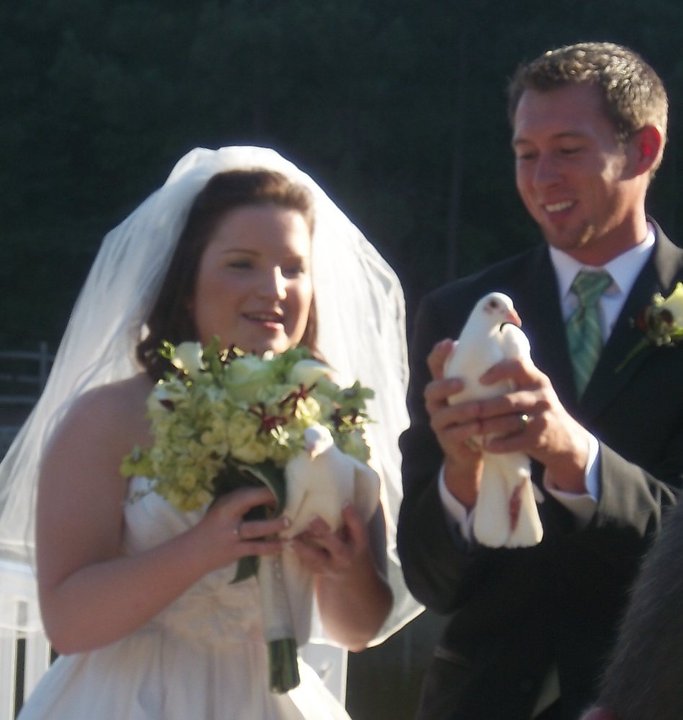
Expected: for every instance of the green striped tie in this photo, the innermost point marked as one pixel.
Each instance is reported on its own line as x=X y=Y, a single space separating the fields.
x=583 y=327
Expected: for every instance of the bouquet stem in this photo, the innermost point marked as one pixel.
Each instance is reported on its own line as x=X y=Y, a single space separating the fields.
x=284 y=668
x=278 y=626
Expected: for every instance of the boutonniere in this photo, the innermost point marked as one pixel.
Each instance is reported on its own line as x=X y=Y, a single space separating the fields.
x=661 y=323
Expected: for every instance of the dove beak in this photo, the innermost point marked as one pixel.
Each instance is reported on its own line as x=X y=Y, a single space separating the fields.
x=312 y=447
x=513 y=317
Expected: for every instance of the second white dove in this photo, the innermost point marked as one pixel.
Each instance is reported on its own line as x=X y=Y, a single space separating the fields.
x=505 y=514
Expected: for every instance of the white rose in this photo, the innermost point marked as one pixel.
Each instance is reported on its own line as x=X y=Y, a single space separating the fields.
x=188 y=357
x=308 y=372
x=674 y=304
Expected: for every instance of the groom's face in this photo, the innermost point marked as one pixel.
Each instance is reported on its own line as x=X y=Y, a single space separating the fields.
x=573 y=175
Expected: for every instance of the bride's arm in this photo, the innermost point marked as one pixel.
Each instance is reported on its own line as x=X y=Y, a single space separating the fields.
x=90 y=593
x=353 y=595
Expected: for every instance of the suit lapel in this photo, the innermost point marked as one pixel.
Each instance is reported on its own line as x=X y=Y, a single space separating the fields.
x=541 y=313
x=613 y=371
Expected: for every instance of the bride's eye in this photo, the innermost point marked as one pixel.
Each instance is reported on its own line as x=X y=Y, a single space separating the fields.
x=294 y=269
x=241 y=264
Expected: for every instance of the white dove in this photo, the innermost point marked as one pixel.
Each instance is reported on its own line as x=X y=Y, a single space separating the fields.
x=321 y=479
x=505 y=514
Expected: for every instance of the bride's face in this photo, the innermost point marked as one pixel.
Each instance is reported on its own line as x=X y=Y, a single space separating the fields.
x=253 y=285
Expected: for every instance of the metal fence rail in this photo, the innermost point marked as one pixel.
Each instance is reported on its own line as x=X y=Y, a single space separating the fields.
x=23 y=374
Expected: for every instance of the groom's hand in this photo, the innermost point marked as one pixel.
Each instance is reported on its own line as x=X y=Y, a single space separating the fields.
x=454 y=429
x=550 y=434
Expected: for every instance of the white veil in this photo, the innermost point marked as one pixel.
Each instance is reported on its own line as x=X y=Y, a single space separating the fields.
x=361 y=332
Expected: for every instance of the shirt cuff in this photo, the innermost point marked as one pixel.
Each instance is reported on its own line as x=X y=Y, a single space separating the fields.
x=456 y=512
x=583 y=506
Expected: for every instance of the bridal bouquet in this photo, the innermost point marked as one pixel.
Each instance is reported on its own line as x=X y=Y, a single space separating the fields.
x=224 y=419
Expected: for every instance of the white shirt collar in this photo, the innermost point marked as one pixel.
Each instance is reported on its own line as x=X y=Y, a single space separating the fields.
x=624 y=268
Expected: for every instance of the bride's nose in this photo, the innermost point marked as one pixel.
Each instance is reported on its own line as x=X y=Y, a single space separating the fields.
x=273 y=284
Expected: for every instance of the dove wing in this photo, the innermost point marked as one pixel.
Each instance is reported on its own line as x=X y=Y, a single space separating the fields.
x=471 y=357
x=514 y=343
x=366 y=489
x=506 y=514
x=298 y=475
x=319 y=486
x=529 y=530
x=491 y=524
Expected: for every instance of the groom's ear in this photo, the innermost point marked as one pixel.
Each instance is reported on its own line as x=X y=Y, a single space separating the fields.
x=648 y=144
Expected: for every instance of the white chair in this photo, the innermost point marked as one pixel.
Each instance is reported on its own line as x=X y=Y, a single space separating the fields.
x=23 y=660
x=331 y=665
x=24 y=656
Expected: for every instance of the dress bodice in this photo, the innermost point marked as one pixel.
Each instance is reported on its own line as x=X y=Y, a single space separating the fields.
x=214 y=608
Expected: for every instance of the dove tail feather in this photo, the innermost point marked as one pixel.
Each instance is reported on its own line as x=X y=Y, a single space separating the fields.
x=505 y=514
x=491 y=524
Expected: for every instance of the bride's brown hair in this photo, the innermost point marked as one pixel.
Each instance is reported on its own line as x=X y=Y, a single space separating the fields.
x=171 y=317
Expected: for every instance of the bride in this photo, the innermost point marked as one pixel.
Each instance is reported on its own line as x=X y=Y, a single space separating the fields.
x=137 y=596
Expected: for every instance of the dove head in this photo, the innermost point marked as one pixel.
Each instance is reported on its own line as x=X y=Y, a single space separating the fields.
x=498 y=309
x=317 y=439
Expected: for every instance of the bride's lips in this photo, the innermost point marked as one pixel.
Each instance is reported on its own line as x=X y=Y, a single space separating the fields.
x=265 y=318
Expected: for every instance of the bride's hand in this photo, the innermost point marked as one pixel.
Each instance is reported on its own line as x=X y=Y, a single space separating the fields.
x=326 y=552
x=224 y=535
x=353 y=596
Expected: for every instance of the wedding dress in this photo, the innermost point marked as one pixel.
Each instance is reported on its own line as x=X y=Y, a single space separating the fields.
x=202 y=657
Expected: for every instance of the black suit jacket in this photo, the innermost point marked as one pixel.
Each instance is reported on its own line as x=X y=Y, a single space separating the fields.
x=513 y=613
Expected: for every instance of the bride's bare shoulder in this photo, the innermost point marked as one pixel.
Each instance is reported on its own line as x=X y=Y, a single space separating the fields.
x=127 y=395
x=117 y=409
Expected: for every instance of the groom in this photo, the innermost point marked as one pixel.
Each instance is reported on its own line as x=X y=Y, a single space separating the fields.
x=529 y=629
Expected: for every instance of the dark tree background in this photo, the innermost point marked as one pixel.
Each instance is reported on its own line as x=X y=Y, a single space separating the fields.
x=397 y=108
